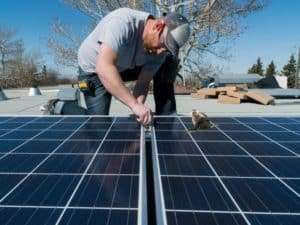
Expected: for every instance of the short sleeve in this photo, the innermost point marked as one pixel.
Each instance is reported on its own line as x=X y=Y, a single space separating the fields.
x=116 y=33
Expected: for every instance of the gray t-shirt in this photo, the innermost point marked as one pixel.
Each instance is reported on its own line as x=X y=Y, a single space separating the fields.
x=121 y=30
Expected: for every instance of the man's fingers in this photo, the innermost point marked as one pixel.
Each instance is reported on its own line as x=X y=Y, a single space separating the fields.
x=149 y=117
x=145 y=119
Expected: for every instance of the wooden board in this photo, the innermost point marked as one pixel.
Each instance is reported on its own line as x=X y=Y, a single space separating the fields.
x=224 y=99
x=208 y=91
x=261 y=98
x=238 y=94
x=225 y=89
x=199 y=96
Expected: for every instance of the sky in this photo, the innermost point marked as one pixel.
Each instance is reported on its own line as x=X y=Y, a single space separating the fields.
x=272 y=34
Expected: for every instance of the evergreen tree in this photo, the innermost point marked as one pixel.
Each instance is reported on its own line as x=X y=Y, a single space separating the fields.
x=271 y=70
x=257 y=68
x=289 y=70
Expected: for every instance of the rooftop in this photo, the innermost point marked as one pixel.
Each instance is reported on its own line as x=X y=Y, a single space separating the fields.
x=19 y=103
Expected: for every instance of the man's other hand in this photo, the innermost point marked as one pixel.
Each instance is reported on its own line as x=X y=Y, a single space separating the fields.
x=143 y=113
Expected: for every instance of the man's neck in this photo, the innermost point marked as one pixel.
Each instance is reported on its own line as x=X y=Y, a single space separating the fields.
x=148 y=26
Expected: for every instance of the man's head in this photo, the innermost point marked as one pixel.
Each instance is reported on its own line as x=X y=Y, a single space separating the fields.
x=166 y=34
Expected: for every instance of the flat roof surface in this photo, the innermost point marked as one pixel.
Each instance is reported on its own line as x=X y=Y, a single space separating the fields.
x=19 y=103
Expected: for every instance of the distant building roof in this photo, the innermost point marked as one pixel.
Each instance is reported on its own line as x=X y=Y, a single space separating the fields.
x=234 y=78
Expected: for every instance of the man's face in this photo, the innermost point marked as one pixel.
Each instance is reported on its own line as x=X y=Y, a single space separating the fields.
x=154 y=39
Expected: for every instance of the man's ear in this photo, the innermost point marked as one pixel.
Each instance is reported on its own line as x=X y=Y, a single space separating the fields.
x=159 y=26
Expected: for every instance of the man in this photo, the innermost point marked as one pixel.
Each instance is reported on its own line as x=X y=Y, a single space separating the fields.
x=132 y=45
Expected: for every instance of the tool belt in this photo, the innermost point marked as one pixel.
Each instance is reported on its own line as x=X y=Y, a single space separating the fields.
x=86 y=86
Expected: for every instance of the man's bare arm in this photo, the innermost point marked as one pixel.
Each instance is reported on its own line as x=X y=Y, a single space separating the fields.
x=111 y=79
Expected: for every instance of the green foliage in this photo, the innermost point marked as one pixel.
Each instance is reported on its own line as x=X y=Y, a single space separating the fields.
x=289 y=70
x=271 y=70
x=257 y=68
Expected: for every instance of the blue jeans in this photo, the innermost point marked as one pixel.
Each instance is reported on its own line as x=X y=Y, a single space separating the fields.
x=98 y=102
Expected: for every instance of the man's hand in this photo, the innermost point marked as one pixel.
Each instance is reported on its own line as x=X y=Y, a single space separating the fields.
x=143 y=113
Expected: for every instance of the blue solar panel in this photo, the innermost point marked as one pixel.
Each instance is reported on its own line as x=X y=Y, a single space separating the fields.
x=70 y=170
x=243 y=171
x=92 y=170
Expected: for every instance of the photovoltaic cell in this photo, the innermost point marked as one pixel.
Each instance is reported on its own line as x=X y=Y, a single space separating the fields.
x=277 y=120
x=35 y=126
x=28 y=216
x=238 y=166
x=20 y=163
x=2 y=132
x=17 y=134
x=295 y=184
x=114 y=217
x=38 y=147
x=283 y=167
x=126 y=126
x=209 y=136
x=220 y=148
x=246 y=136
x=4 y=118
x=265 y=127
x=282 y=136
x=232 y=127
x=65 y=164
x=95 y=126
x=9 y=145
x=107 y=191
x=7 y=182
x=172 y=135
x=43 y=190
x=125 y=135
x=82 y=146
x=193 y=218
x=265 y=149
x=22 y=119
x=124 y=147
x=291 y=127
x=88 y=135
x=184 y=165
x=187 y=193
x=263 y=195
x=169 y=147
x=54 y=135
x=115 y=164
x=8 y=125
x=47 y=119
x=65 y=126
x=258 y=219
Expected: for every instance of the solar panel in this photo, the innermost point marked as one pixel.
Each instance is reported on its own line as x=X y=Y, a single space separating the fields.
x=102 y=170
x=71 y=170
x=243 y=171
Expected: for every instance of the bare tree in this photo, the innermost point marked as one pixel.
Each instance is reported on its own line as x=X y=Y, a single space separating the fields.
x=8 y=46
x=212 y=21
